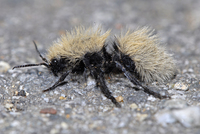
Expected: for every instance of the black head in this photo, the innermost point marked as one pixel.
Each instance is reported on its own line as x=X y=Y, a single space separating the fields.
x=55 y=65
x=58 y=65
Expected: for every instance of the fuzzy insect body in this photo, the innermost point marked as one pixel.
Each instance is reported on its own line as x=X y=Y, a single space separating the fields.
x=140 y=57
x=135 y=54
x=76 y=52
x=75 y=44
x=140 y=51
x=69 y=52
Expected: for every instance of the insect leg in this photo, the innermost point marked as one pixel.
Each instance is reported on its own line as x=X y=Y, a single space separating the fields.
x=97 y=73
x=59 y=82
x=105 y=90
x=85 y=74
x=137 y=83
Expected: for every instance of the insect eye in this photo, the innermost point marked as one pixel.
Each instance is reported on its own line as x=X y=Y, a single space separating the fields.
x=54 y=61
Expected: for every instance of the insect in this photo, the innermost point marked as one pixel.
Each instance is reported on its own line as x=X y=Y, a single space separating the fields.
x=140 y=57
x=76 y=52
x=83 y=50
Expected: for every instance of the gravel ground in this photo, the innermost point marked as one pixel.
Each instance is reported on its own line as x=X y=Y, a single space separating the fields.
x=79 y=107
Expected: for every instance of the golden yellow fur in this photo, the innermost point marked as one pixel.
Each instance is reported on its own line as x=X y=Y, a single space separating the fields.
x=75 y=44
x=152 y=61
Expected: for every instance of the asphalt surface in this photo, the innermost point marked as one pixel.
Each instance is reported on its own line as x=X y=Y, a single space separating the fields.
x=79 y=106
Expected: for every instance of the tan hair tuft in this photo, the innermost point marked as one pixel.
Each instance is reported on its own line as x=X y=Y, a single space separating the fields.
x=75 y=44
x=152 y=62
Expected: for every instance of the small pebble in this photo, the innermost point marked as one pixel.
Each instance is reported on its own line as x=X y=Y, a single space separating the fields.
x=4 y=66
x=151 y=98
x=181 y=86
x=22 y=93
x=190 y=70
x=119 y=99
x=90 y=81
x=16 y=97
x=15 y=123
x=64 y=125
x=175 y=104
x=133 y=106
x=62 y=98
x=9 y=106
x=141 y=117
x=48 y=111
x=188 y=117
x=68 y=116
x=15 y=93
x=164 y=117
x=46 y=99
x=1 y=121
x=63 y=95
x=54 y=131
x=56 y=92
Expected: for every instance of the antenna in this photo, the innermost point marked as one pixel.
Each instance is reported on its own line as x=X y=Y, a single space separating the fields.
x=44 y=59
